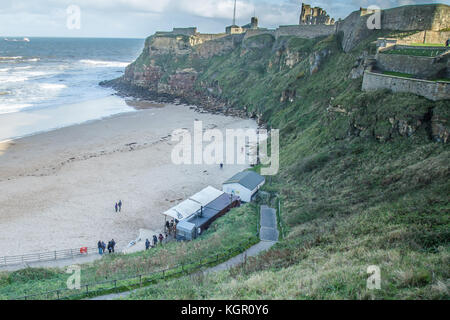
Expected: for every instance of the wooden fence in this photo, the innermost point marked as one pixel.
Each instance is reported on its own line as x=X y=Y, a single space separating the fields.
x=46 y=256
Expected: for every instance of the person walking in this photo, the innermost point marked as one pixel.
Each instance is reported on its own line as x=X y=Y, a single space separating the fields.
x=171 y=227
x=100 y=247
x=167 y=226
x=109 y=247
x=147 y=244
x=120 y=205
x=161 y=238
x=113 y=244
x=155 y=240
x=104 y=246
x=116 y=207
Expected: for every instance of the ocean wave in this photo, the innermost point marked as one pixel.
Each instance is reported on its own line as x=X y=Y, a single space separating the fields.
x=11 y=58
x=15 y=79
x=13 y=108
x=52 y=86
x=4 y=69
x=100 y=63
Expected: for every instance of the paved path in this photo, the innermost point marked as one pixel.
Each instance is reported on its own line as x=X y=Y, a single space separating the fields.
x=268 y=235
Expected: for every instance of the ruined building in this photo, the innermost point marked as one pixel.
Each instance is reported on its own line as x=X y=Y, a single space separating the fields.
x=314 y=15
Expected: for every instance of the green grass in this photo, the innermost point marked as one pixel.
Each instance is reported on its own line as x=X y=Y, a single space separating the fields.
x=361 y=183
x=223 y=235
x=398 y=74
x=359 y=187
x=416 y=52
x=428 y=44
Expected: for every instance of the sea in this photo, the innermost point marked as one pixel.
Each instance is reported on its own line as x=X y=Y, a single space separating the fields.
x=49 y=83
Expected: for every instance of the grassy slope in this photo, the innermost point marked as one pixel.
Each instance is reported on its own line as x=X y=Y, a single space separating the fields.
x=355 y=191
x=374 y=197
x=225 y=233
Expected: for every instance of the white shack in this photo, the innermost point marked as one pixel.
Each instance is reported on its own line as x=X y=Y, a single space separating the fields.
x=192 y=205
x=244 y=185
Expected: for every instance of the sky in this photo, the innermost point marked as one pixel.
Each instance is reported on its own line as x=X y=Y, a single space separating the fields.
x=141 y=18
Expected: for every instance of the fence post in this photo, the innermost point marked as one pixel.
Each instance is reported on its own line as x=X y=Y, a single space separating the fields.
x=164 y=274
x=140 y=280
x=87 y=289
x=57 y=294
x=115 y=284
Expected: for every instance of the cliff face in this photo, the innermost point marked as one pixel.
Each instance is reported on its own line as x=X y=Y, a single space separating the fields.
x=263 y=76
x=359 y=171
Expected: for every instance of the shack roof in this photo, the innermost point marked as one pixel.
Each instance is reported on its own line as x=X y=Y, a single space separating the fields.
x=248 y=179
x=213 y=209
x=190 y=206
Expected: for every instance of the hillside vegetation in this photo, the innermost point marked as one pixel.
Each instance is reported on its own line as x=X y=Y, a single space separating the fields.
x=364 y=177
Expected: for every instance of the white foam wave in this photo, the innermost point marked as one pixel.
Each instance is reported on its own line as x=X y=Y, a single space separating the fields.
x=10 y=58
x=100 y=63
x=52 y=86
x=11 y=108
x=15 y=79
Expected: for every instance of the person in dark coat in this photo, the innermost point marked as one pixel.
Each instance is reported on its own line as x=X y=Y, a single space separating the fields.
x=161 y=238
x=155 y=240
x=100 y=247
x=120 y=205
x=109 y=247
x=113 y=244
x=447 y=43
x=167 y=226
x=147 y=244
x=116 y=207
x=104 y=246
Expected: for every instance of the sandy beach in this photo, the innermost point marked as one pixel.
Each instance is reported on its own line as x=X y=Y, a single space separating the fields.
x=58 y=188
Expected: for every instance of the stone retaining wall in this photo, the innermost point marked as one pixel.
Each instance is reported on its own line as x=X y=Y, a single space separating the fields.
x=429 y=89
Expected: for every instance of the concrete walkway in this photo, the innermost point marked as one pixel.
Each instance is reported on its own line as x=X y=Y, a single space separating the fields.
x=268 y=235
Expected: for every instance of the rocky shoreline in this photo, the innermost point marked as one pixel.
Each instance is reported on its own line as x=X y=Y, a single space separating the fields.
x=198 y=101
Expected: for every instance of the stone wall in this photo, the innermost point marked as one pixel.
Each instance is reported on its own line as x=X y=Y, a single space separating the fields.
x=429 y=89
x=427 y=36
x=185 y=31
x=432 y=17
x=422 y=67
x=210 y=36
x=305 y=31
x=257 y=32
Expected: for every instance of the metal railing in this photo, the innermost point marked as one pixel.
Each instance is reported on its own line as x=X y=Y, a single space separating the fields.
x=139 y=280
x=46 y=256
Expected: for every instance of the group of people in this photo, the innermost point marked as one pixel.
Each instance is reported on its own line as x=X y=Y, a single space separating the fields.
x=155 y=239
x=118 y=206
x=102 y=246
x=171 y=226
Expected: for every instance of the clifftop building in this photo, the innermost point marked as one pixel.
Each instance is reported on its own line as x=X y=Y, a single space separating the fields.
x=314 y=15
x=235 y=29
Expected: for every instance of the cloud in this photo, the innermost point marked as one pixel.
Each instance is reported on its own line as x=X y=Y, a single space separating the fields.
x=140 y=18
